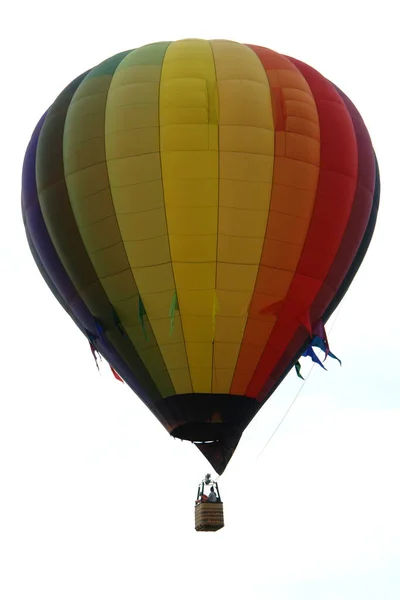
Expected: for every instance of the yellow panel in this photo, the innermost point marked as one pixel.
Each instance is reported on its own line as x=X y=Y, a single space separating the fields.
x=134 y=168
x=222 y=378
x=200 y=220
x=199 y=354
x=181 y=193
x=145 y=253
x=135 y=142
x=246 y=137
x=131 y=170
x=200 y=248
x=155 y=300
x=154 y=280
x=225 y=354
x=148 y=196
x=194 y=276
x=231 y=303
x=199 y=378
x=236 y=222
x=146 y=225
x=231 y=276
x=204 y=299
x=189 y=156
x=229 y=330
x=198 y=329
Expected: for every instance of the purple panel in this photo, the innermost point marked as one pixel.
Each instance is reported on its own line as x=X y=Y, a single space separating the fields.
x=40 y=238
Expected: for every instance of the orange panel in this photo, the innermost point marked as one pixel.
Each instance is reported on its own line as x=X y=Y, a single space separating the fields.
x=294 y=186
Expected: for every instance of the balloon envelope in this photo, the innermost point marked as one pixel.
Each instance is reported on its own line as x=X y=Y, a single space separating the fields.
x=198 y=207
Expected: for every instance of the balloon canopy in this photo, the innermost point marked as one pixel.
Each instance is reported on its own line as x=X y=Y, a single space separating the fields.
x=199 y=208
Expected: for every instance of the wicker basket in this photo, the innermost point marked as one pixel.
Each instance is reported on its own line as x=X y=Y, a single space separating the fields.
x=209 y=516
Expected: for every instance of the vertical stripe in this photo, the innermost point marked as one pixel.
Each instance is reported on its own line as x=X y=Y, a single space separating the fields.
x=133 y=155
x=62 y=227
x=57 y=279
x=133 y=161
x=335 y=197
x=189 y=158
x=246 y=158
x=351 y=250
x=91 y=198
x=359 y=217
x=296 y=170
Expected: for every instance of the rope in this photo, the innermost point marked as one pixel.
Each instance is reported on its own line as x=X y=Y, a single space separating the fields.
x=290 y=406
x=299 y=390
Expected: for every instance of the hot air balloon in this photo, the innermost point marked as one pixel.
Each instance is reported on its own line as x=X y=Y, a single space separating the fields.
x=199 y=208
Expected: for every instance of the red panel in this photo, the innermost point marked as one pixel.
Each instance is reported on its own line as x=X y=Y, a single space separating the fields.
x=335 y=197
x=294 y=188
x=359 y=215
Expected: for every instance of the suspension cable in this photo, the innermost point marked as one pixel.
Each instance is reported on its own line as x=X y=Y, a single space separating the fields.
x=299 y=390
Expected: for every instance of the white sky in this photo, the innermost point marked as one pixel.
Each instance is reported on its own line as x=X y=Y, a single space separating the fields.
x=96 y=499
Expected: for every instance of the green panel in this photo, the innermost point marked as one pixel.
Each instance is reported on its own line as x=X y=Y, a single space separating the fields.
x=62 y=228
x=87 y=179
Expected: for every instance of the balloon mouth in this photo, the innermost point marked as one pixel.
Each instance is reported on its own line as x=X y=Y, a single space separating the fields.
x=205 y=433
x=217 y=441
x=212 y=422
